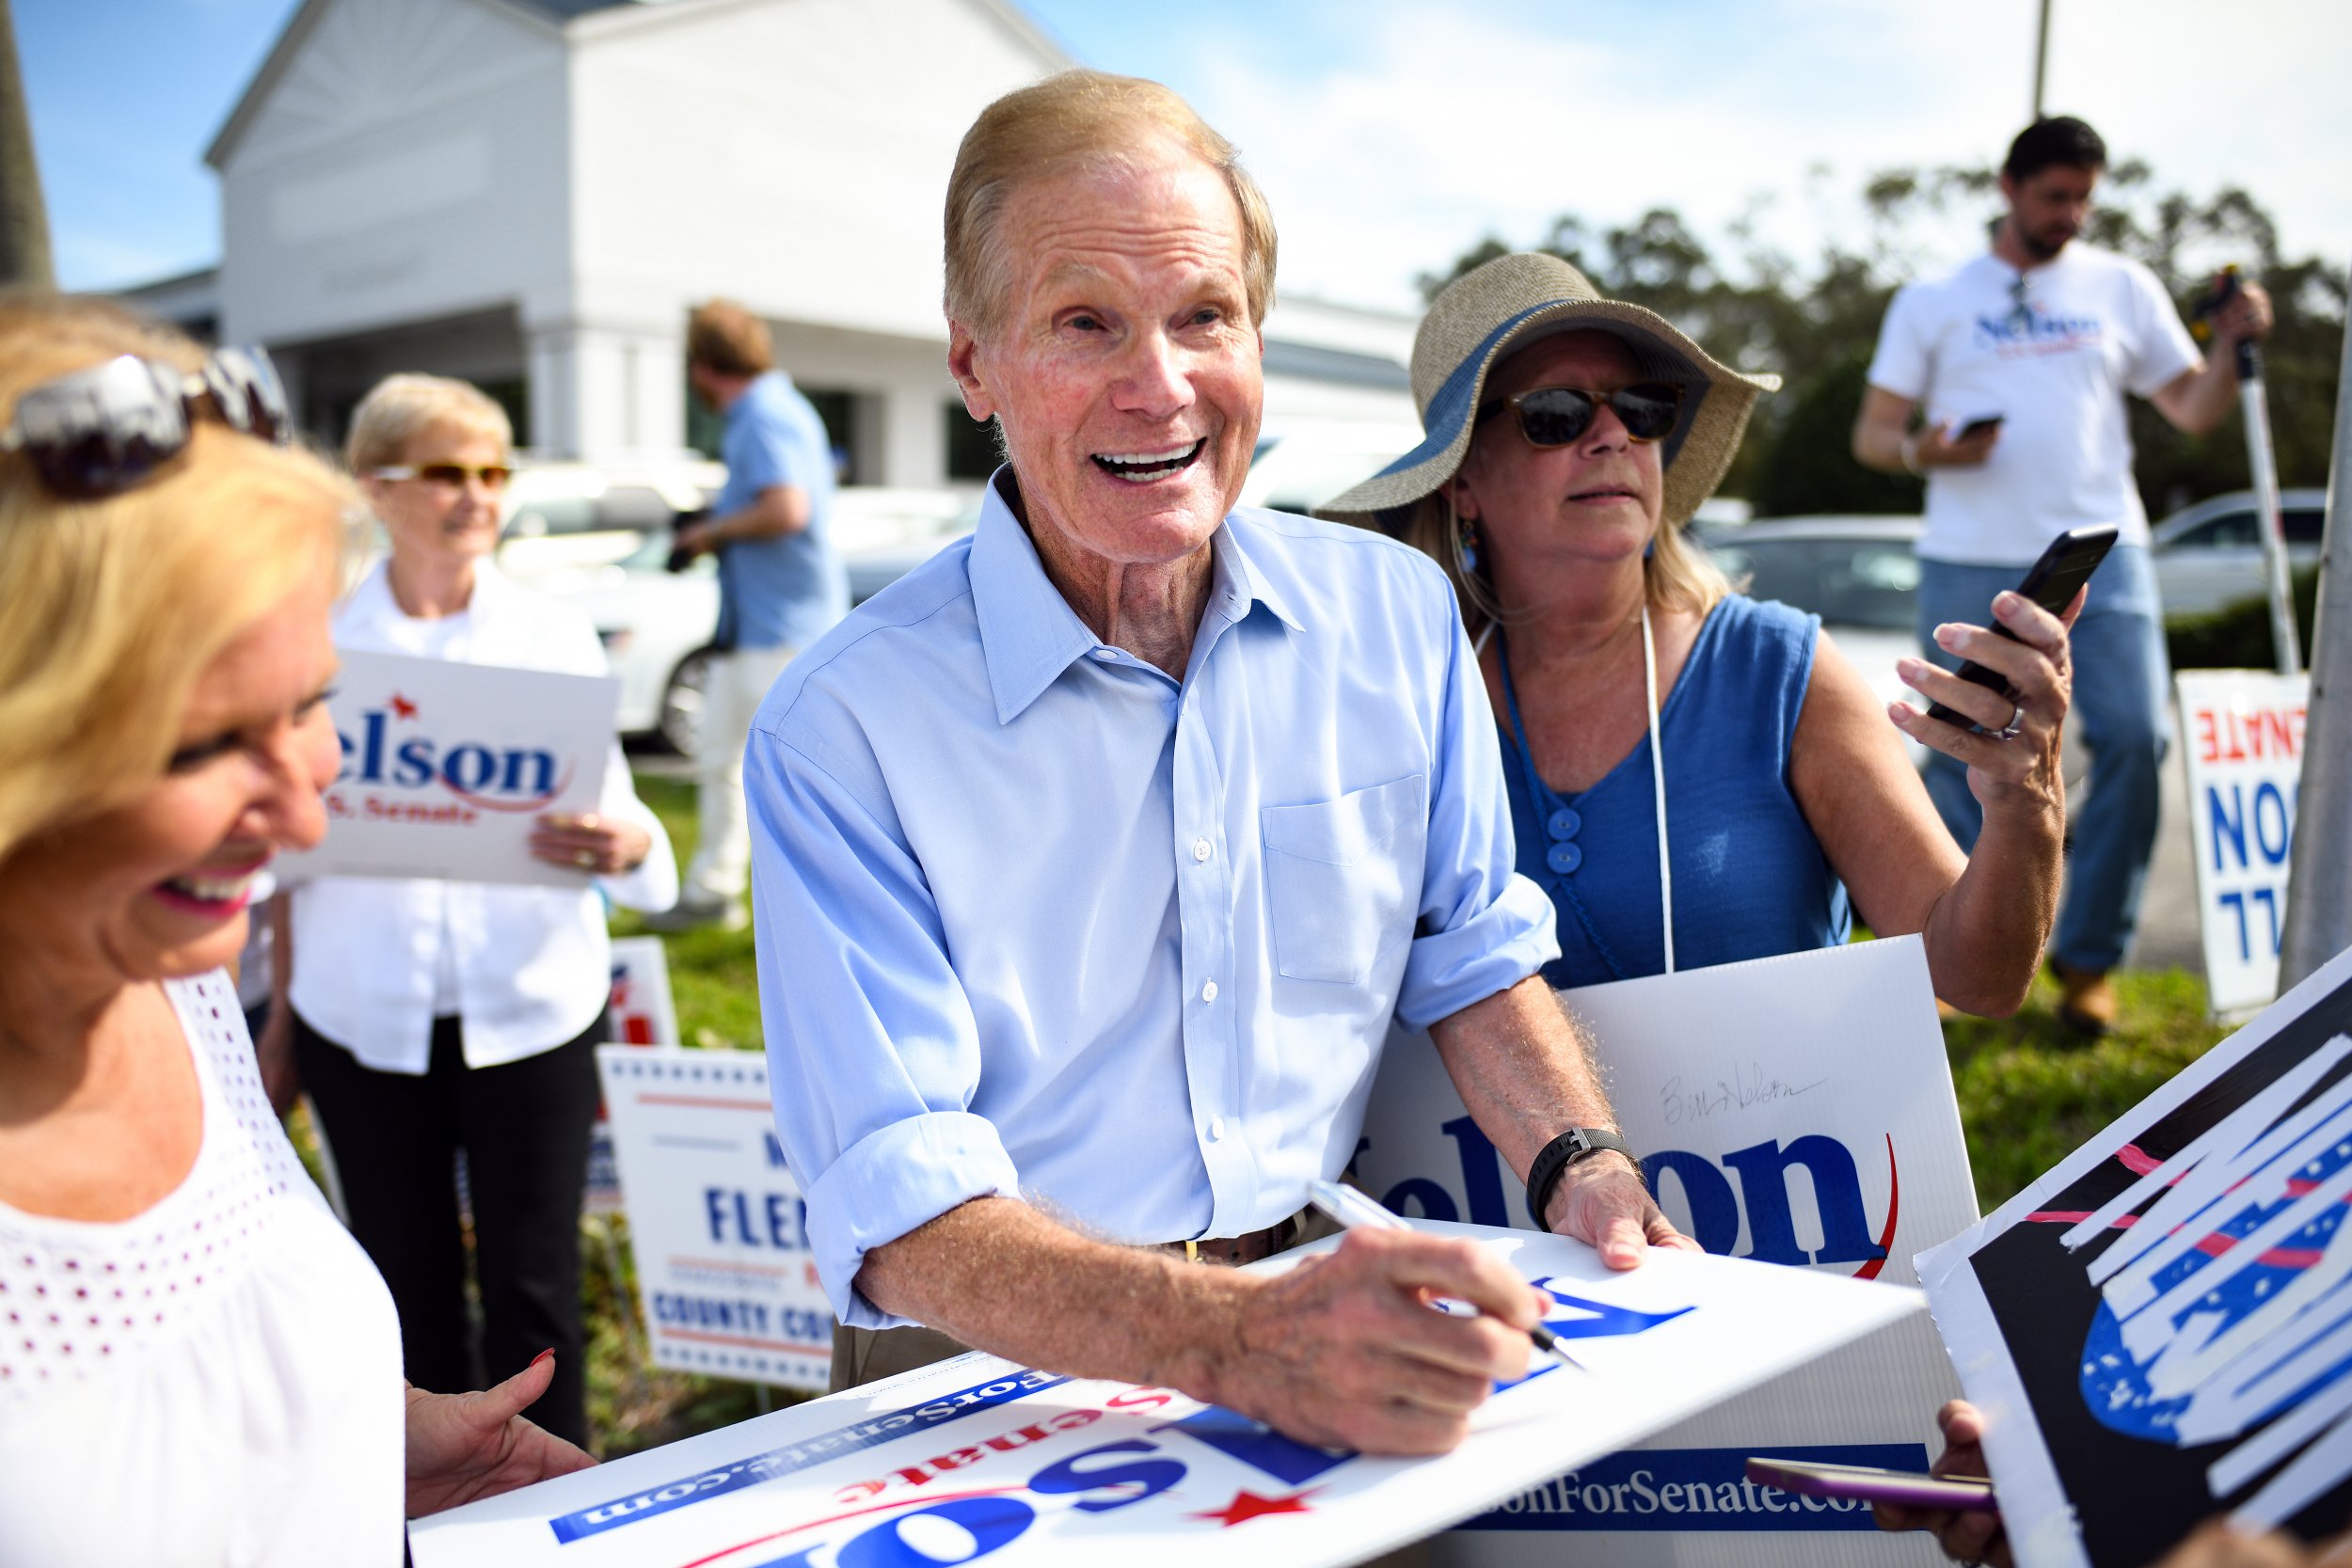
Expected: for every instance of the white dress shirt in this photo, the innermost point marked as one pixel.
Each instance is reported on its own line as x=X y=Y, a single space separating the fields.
x=532 y=965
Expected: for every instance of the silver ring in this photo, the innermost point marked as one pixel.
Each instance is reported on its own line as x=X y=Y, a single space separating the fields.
x=586 y=858
x=2016 y=722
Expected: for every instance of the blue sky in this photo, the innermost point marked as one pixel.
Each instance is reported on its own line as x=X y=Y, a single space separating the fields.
x=1391 y=135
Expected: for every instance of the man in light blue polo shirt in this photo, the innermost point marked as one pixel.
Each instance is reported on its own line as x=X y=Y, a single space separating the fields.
x=1095 y=855
x=780 y=583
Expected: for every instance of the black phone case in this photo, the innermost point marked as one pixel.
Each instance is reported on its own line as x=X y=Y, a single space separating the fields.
x=2050 y=582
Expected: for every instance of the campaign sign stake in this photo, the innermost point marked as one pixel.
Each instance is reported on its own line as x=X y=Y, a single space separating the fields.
x=2244 y=753
x=447 y=769
x=978 y=1460
x=2160 y=1329
x=725 y=1273
x=1796 y=1111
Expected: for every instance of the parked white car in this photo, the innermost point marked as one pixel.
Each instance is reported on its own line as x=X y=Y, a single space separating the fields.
x=1299 y=466
x=1857 y=574
x=2210 y=556
x=657 y=624
x=566 y=515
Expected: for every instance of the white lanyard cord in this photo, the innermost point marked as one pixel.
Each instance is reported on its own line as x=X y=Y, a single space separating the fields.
x=1657 y=772
x=1657 y=778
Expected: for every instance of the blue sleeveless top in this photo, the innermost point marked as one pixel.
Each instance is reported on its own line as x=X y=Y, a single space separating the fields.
x=1750 y=878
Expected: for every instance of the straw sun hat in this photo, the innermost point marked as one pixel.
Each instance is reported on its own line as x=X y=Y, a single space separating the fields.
x=1503 y=306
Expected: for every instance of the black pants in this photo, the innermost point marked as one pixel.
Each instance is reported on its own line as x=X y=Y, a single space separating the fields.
x=524 y=1129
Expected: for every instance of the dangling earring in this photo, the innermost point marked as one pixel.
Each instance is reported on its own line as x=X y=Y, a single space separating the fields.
x=1465 y=532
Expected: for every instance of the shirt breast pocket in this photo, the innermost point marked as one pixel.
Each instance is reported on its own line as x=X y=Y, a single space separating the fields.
x=1343 y=879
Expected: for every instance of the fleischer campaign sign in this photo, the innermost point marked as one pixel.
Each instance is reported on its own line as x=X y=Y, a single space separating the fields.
x=2160 y=1329
x=447 y=767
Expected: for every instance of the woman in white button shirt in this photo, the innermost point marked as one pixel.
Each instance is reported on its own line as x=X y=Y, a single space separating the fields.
x=197 y=1365
x=431 y=1018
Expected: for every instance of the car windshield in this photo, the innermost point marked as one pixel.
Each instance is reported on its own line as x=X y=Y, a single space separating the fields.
x=1847 y=582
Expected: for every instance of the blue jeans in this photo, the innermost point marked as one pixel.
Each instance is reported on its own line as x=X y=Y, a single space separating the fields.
x=2120 y=678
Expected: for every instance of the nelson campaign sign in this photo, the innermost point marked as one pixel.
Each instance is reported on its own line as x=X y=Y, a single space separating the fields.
x=447 y=766
x=979 y=1460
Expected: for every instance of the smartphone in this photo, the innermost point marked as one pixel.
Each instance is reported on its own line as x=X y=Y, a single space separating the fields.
x=2050 y=582
x=1907 y=1488
x=1977 y=426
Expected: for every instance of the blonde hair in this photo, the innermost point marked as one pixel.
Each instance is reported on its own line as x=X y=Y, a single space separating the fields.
x=1078 y=117
x=1676 y=575
x=117 y=605
x=399 y=408
x=724 y=337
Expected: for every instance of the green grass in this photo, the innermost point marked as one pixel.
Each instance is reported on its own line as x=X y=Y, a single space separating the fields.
x=2030 y=1090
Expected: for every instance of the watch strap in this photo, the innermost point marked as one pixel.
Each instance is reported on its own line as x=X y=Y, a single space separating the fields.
x=1553 y=1161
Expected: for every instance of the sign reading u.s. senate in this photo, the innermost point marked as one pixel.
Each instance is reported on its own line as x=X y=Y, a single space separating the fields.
x=447 y=767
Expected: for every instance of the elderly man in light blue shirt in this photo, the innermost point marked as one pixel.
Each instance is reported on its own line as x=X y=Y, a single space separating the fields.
x=1092 y=859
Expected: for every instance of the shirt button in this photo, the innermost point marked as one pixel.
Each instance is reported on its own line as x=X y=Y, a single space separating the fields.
x=1564 y=859
x=1107 y=654
x=1565 y=822
x=1200 y=849
x=1208 y=991
x=1216 y=1128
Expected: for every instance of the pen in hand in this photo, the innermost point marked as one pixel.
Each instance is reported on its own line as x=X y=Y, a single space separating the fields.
x=1352 y=1211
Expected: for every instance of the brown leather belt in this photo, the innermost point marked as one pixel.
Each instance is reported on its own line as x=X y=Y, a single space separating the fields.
x=1233 y=1251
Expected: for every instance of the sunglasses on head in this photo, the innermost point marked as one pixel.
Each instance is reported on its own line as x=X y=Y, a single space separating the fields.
x=107 y=429
x=1555 y=416
x=449 y=475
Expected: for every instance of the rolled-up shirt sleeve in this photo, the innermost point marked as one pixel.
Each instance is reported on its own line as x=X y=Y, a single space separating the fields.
x=873 y=1051
x=1482 y=927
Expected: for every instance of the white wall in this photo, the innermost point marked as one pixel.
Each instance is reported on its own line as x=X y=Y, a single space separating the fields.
x=793 y=156
x=408 y=164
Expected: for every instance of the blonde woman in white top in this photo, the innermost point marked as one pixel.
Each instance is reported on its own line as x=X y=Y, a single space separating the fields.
x=429 y=1018
x=197 y=1365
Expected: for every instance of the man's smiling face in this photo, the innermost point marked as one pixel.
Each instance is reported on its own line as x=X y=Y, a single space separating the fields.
x=1122 y=366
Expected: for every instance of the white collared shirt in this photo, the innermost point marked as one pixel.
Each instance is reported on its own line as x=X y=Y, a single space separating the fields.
x=533 y=965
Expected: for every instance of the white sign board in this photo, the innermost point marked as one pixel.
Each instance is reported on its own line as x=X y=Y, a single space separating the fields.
x=640 y=1012
x=979 y=1459
x=2244 y=751
x=448 y=767
x=642 y=1009
x=2156 y=1329
x=725 y=1274
x=1796 y=1110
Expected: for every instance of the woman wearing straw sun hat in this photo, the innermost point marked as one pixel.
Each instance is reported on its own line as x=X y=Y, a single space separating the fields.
x=1696 y=778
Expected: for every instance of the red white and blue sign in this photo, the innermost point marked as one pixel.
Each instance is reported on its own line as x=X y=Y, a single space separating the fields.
x=447 y=767
x=725 y=1275
x=978 y=1460
x=1796 y=1111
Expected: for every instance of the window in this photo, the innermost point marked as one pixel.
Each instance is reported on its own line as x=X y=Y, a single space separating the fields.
x=972 y=448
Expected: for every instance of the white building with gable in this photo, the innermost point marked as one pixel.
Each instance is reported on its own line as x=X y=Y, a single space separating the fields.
x=532 y=194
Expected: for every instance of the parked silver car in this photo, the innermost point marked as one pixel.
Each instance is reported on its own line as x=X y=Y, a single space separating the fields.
x=2210 y=556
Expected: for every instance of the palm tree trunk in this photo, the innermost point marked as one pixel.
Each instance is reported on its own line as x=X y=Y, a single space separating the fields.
x=23 y=219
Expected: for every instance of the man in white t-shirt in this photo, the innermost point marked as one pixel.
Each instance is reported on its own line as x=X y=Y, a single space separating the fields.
x=2017 y=364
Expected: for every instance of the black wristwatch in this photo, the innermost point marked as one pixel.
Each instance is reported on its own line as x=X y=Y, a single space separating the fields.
x=1577 y=1143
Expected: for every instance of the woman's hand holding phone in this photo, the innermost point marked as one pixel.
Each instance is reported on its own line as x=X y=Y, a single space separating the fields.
x=1966 y=1535
x=2015 y=761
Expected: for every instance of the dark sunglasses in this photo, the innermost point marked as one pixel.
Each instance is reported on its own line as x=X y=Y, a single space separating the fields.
x=107 y=429
x=454 y=475
x=1555 y=416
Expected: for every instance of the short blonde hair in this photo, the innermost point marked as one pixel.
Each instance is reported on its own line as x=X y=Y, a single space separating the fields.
x=1078 y=117
x=724 y=337
x=115 y=606
x=399 y=408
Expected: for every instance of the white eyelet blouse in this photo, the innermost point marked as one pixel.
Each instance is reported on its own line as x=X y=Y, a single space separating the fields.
x=218 y=1381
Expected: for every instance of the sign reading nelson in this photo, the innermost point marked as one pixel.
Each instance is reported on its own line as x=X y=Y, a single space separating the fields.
x=446 y=768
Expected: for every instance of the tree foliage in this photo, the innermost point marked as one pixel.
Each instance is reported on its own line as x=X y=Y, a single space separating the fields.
x=1818 y=325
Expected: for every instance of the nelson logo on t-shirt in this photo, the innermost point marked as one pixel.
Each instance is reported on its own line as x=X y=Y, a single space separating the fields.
x=2029 y=331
